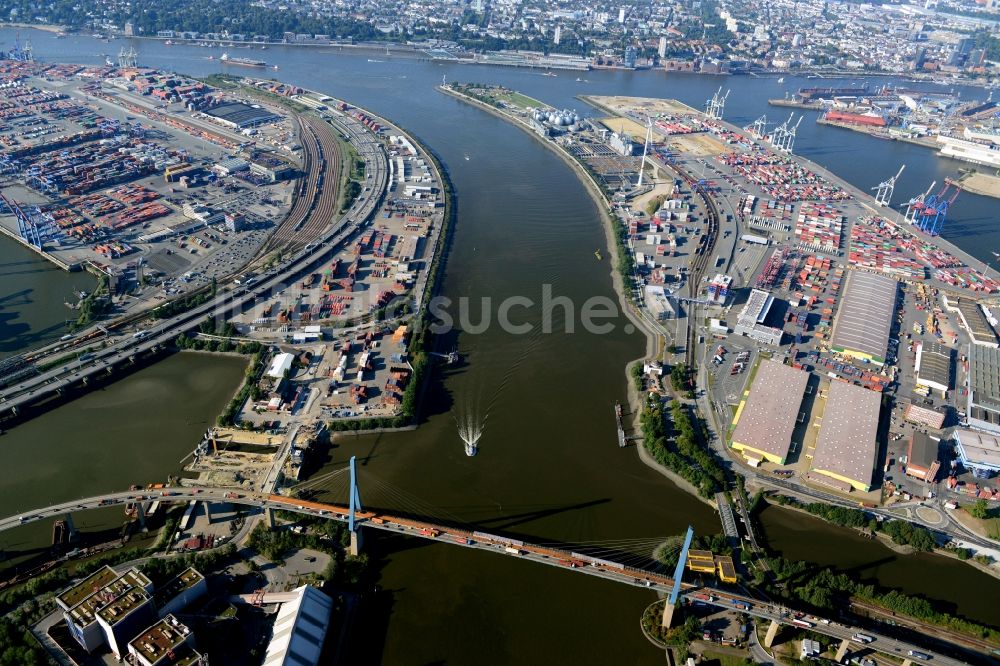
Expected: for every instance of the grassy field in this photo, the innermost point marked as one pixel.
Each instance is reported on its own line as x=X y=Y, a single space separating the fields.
x=517 y=99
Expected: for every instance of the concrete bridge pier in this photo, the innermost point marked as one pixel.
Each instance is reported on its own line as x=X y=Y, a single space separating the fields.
x=772 y=632
x=271 y=520
x=668 y=614
x=140 y=515
x=208 y=511
x=842 y=650
x=71 y=533
x=356 y=543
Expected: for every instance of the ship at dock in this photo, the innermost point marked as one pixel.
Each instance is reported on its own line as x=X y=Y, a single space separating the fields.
x=246 y=62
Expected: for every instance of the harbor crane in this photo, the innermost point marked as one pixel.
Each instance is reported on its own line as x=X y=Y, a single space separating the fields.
x=915 y=205
x=128 y=59
x=21 y=53
x=715 y=107
x=783 y=138
x=935 y=209
x=758 y=129
x=885 y=189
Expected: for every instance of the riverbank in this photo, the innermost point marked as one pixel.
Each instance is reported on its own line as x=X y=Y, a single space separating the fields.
x=44 y=27
x=634 y=398
x=983 y=184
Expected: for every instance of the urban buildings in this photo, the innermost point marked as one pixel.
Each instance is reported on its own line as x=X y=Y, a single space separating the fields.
x=983 y=410
x=979 y=452
x=299 y=629
x=922 y=460
x=752 y=320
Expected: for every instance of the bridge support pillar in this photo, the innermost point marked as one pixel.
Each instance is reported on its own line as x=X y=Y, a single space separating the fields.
x=772 y=632
x=208 y=511
x=140 y=515
x=269 y=514
x=668 y=614
x=356 y=543
x=907 y=662
x=71 y=533
x=842 y=650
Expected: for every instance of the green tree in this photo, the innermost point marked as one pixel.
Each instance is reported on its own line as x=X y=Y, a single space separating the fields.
x=980 y=509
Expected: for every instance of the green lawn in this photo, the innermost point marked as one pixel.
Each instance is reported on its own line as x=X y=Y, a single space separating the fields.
x=517 y=99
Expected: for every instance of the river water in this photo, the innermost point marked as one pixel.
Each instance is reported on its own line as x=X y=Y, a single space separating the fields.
x=548 y=466
x=136 y=430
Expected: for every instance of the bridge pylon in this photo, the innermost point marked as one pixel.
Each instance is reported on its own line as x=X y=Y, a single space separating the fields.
x=671 y=603
x=772 y=633
x=355 y=506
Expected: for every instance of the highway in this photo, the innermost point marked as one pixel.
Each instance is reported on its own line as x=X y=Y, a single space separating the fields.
x=227 y=301
x=565 y=559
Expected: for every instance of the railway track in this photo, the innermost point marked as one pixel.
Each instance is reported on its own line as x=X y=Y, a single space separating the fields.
x=314 y=204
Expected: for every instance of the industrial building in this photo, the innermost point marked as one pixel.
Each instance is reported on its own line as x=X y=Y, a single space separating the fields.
x=983 y=409
x=979 y=452
x=922 y=457
x=864 y=321
x=124 y=617
x=238 y=116
x=846 y=447
x=166 y=642
x=280 y=365
x=718 y=288
x=766 y=419
x=924 y=416
x=933 y=367
x=752 y=319
x=973 y=320
x=702 y=561
x=299 y=629
x=81 y=603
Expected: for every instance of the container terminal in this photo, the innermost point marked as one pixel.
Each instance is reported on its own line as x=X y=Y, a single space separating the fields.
x=798 y=268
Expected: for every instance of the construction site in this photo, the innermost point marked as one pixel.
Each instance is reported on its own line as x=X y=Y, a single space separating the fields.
x=131 y=173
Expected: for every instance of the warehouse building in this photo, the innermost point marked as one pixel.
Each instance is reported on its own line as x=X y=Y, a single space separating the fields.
x=864 y=321
x=983 y=408
x=238 y=115
x=299 y=629
x=979 y=452
x=973 y=320
x=922 y=457
x=752 y=320
x=933 y=367
x=847 y=445
x=765 y=420
x=924 y=416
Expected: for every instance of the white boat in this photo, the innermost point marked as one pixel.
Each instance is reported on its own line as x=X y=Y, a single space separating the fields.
x=781 y=80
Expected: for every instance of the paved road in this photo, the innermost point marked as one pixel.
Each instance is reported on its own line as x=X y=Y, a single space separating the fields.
x=543 y=555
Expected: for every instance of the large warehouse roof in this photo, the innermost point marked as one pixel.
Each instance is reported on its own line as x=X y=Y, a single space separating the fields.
x=299 y=629
x=847 y=446
x=984 y=375
x=241 y=115
x=865 y=317
x=766 y=420
x=933 y=365
x=978 y=449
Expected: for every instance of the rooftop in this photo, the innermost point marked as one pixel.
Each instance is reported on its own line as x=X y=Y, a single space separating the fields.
x=86 y=587
x=865 y=317
x=767 y=419
x=847 y=444
x=934 y=365
x=86 y=610
x=124 y=604
x=299 y=629
x=923 y=451
x=978 y=448
x=241 y=114
x=984 y=376
x=756 y=308
x=182 y=581
x=974 y=319
x=167 y=635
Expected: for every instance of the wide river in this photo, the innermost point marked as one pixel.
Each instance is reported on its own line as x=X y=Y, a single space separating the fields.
x=548 y=466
